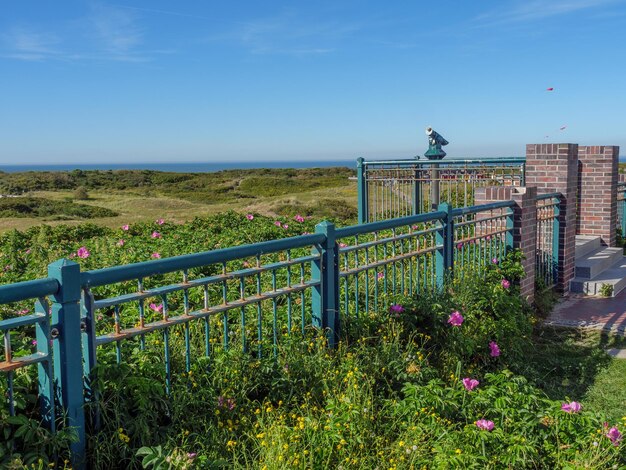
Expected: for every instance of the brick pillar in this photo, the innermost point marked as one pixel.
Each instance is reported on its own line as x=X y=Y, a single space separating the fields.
x=597 y=192
x=524 y=227
x=554 y=168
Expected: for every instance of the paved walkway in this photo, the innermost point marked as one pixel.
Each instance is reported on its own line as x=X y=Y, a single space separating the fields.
x=607 y=314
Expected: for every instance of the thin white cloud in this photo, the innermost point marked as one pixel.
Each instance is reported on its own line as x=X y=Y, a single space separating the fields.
x=116 y=30
x=26 y=44
x=288 y=34
x=535 y=10
x=106 y=33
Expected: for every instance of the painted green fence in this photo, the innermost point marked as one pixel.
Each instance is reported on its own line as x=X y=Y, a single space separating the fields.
x=547 y=254
x=398 y=188
x=247 y=297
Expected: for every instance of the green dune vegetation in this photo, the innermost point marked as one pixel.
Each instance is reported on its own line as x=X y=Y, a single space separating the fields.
x=115 y=197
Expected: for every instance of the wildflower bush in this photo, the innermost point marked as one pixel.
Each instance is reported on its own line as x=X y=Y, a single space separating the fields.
x=425 y=382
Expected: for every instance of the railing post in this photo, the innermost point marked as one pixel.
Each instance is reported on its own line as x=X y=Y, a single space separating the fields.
x=65 y=329
x=325 y=301
x=444 y=258
x=361 y=191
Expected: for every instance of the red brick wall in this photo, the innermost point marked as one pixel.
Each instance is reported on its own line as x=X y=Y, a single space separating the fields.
x=524 y=227
x=597 y=192
x=554 y=168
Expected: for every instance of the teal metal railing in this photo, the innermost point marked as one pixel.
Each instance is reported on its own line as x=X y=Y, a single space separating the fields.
x=247 y=297
x=482 y=235
x=547 y=253
x=621 y=207
x=398 y=188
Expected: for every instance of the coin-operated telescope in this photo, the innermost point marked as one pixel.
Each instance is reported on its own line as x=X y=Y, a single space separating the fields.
x=435 y=142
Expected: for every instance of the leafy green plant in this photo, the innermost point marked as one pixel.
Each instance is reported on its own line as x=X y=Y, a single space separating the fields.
x=606 y=290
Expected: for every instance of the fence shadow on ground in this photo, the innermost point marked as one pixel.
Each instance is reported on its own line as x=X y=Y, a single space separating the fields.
x=565 y=361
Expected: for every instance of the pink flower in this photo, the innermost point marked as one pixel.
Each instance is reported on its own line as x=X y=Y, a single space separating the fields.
x=156 y=255
x=342 y=245
x=494 y=260
x=573 y=407
x=160 y=221
x=126 y=227
x=494 y=349
x=299 y=218
x=246 y=264
x=484 y=424
x=488 y=237
x=27 y=251
x=156 y=308
x=285 y=226
x=249 y=217
x=396 y=308
x=614 y=435
x=459 y=246
x=505 y=284
x=277 y=223
x=455 y=319
x=83 y=252
x=34 y=342
x=380 y=275
x=120 y=242
x=191 y=455
x=414 y=227
x=470 y=384
x=23 y=311
x=156 y=234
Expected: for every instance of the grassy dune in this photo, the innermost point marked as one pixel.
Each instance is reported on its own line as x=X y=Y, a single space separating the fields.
x=321 y=193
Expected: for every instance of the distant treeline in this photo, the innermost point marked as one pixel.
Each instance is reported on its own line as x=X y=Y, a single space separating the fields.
x=56 y=210
x=202 y=187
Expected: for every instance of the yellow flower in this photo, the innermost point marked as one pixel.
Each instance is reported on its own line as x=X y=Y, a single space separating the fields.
x=458 y=451
x=231 y=443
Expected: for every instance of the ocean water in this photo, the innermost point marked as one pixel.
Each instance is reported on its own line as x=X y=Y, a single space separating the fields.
x=182 y=167
x=190 y=167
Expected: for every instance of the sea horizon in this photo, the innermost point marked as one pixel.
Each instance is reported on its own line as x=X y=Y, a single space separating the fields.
x=180 y=167
x=194 y=167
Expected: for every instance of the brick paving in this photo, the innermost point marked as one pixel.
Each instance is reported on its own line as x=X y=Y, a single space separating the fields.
x=606 y=314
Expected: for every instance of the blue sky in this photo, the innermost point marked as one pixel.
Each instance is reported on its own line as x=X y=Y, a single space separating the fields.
x=150 y=81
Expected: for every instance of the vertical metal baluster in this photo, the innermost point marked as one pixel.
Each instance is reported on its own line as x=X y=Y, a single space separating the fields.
x=403 y=267
x=242 y=297
x=259 y=309
x=275 y=314
x=8 y=356
x=376 y=248
x=385 y=273
x=142 y=313
x=187 y=334
x=432 y=265
x=224 y=303
x=44 y=369
x=393 y=264
x=346 y=282
x=302 y=298
x=118 y=343
x=410 y=242
x=367 y=281
x=207 y=322
x=166 y=346
x=289 y=294
x=356 y=277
